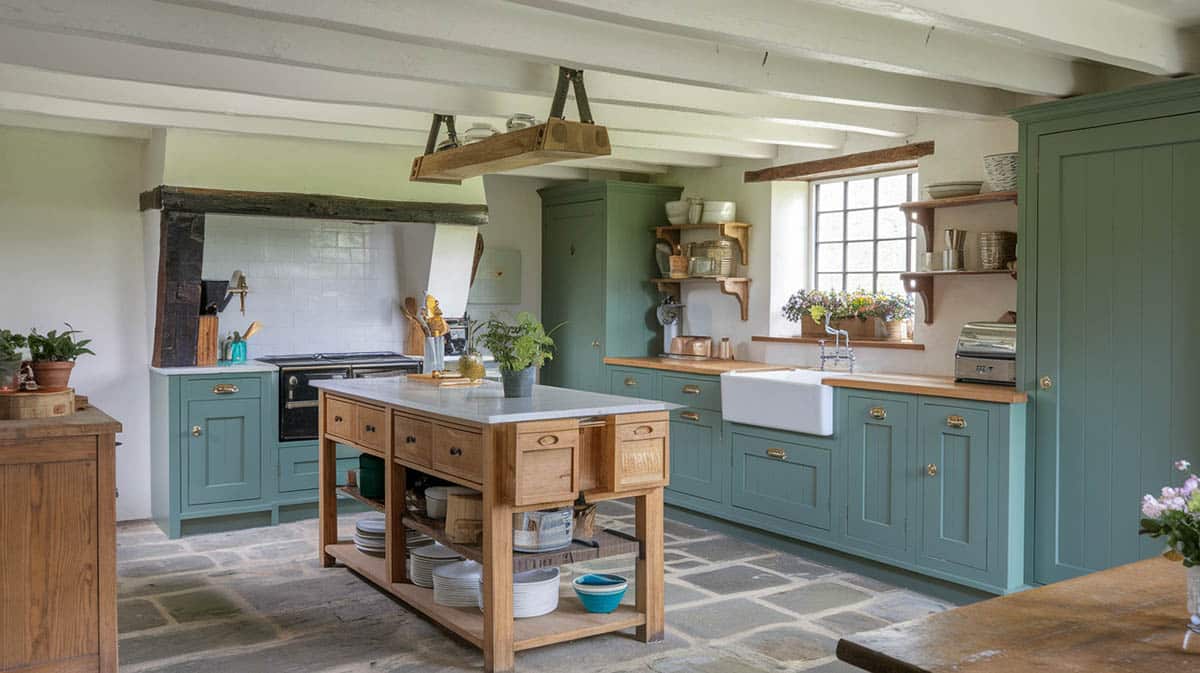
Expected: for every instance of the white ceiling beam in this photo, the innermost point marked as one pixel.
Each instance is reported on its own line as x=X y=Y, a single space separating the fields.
x=1099 y=30
x=488 y=27
x=838 y=35
x=723 y=147
x=224 y=79
x=93 y=127
x=551 y=171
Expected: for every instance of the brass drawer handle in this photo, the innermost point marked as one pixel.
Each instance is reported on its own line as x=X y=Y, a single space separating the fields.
x=931 y=470
x=690 y=389
x=630 y=381
x=689 y=416
x=777 y=453
x=455 y=451
x=224 y=389
x=644 y=429
x=548 y=440
x=956 y=422
x=878 y=413
x=196 y=431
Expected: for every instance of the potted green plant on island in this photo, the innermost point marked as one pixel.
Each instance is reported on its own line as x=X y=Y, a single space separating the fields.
x=520 y=349
x=53 y=356
x=10 y=358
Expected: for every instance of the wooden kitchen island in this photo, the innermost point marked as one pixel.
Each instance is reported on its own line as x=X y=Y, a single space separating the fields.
x=521 y=454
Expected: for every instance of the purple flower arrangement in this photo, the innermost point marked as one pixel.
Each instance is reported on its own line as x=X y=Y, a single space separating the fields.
x=1175 y=515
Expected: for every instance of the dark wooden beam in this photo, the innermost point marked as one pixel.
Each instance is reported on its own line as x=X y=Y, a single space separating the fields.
x=180 y=259
x=822 y=168
x=315 y=206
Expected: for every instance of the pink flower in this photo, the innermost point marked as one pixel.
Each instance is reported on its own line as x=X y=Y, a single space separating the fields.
x=1182 y=465
x=1189 y=486
x=1152 y=508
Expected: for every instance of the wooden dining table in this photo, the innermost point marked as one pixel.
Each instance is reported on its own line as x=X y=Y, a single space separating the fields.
x=1128 y=619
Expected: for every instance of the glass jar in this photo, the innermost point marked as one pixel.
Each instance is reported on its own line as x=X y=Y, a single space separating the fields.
x=470 y=365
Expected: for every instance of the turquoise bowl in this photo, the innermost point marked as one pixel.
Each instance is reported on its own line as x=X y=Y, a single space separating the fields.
x=600 y=593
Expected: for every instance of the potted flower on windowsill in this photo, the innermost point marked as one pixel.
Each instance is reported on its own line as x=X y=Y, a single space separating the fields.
x=520 y=349
x=53 y=356
x=10 y=358
x=1175 y=515
x=894 y=311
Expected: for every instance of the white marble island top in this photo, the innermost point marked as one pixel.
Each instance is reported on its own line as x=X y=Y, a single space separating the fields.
x=486 y=403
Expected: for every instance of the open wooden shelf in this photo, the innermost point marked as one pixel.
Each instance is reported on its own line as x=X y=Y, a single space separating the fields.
x=569 y=622
x=738 y=231
x=555 y=140
x=921 y=282
x=735 y=287
x=922 y=212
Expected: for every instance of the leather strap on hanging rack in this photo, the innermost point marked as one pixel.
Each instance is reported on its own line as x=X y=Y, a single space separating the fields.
x=436 y=128
x=566 y=78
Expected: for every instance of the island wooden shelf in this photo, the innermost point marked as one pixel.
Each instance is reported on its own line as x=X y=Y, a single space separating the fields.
x=738 y=231
x=735 y=287
x=921 y=282
x=922 y=212
x=353 y=492
x=568 y=622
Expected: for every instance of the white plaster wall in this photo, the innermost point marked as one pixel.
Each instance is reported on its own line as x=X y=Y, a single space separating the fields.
x=71 y=250
x=515 y=222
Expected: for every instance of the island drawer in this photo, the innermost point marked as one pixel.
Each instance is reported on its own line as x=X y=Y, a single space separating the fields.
x=543 y=461
x=458 y=452
x=412 y=439
x=341 y=418
x=372 y=427
x=636 y=451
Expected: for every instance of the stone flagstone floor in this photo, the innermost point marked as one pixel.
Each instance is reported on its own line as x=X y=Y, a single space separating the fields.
x=256 y=601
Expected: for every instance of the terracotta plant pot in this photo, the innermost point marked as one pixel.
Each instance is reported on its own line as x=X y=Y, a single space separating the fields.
x=52 y=374
x=897 y=330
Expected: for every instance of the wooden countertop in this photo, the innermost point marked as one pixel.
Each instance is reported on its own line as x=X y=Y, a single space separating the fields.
x=1129 y=619
x=87 y=421
x=938 y=386
x=709 y=367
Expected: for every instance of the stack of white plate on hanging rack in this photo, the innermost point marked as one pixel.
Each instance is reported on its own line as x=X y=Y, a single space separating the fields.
x=535 y=593
x=370 y=535
x=456 y=585
x=427 y=559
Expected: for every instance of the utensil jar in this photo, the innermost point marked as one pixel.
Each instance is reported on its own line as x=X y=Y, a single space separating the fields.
x=435 y=354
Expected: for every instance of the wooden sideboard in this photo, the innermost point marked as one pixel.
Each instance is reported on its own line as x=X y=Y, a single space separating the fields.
x=58 y=544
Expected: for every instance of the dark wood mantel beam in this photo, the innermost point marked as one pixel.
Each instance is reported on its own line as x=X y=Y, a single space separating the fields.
x=315 y=206
x=835 y=166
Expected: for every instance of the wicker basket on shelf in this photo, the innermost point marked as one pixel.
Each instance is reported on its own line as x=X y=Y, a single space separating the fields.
x=996 y=249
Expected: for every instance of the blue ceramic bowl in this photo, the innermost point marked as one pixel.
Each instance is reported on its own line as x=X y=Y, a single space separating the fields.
x=600 y=593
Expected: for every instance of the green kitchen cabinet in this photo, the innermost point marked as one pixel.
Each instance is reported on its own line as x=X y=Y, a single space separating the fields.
x=781 y=476
x=597 y=262
x=224 y=454
x=956 y=466
x=698 y=459
x=880 y=446
x=1110 y=315
x=299 y=466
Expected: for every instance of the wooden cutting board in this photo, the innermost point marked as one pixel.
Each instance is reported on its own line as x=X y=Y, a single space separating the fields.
x=19 y=406
x=206 y=342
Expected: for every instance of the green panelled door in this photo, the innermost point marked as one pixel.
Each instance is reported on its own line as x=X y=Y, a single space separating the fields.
x=224 y=451
x=696 y=468
x=1118 y=334
x=573 y=293
x=956 y=503
x=879 y=467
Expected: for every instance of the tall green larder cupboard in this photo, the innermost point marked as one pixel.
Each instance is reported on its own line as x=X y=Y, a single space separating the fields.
x=597 y=262
x=1109 y=312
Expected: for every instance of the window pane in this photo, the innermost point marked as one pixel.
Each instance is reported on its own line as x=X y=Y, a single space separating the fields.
x=829 y=227
x=829 y=257
x=860 y=256
x=892 y=223
x=893 y=190
x=829 y=197
x=859 y=281
x=861 y=193
x=829 y=281
x=913 y=252
x=892 y=255
x=860 y=225
x=889 y=282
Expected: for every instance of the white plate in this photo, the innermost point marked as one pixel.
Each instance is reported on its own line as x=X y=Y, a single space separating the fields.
x=375 y=524
x=435 y=551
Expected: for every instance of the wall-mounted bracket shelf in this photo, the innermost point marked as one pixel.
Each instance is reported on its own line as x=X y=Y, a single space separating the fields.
x=921 y=212
x=921 y=282
x=738 y=231
x=735 y=287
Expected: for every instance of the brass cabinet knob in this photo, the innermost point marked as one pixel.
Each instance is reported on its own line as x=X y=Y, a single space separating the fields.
x=630 y=381
x=777 y=453
x=595 y=343
x=689 y=415
x=931 y=470
x=956 y=422
x=224 y=389
x=410 y=440
x=1046 y=383
x=878 y=413
x=690 y=389
x=196 y=431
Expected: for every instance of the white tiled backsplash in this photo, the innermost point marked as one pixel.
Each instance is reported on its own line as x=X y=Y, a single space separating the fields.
x=316 y=286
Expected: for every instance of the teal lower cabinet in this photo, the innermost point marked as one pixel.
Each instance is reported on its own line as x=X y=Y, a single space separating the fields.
x=933 y=485
x=215 y=459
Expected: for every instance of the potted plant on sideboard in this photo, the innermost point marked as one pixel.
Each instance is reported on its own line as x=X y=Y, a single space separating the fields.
x=520 y=349
x=10 y=358
x=53 y=356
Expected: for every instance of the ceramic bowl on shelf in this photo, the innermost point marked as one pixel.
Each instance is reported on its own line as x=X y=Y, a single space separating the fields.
x=945 y=190
x=477 y=132
x=1001 y=171
x=436 y=498
x=677 y=212
x=716 y=212
x=520 y=120
x=600 y=593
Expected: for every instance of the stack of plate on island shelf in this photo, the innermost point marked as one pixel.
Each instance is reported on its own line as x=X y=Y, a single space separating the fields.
x=456 y=585
x=370 y=535
x=427 y=559
x=535 y=593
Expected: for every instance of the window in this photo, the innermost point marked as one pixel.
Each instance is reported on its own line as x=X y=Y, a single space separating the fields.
x=862 y=240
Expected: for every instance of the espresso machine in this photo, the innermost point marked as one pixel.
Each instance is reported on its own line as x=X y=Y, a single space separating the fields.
x=670 y=316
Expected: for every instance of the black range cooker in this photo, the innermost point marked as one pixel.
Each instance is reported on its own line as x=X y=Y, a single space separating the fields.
x=298 y=399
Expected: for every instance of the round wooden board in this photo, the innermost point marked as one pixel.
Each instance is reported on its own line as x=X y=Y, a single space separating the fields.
x=37 y=404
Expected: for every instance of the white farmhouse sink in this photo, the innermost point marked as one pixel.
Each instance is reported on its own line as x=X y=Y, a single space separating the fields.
x=789 y=399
